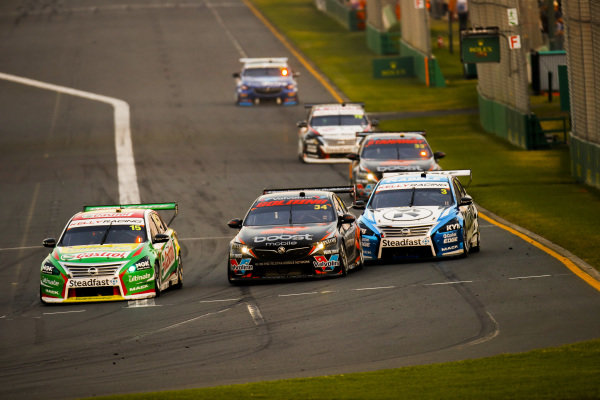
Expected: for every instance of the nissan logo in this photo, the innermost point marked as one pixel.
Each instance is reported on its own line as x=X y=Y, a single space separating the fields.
x=281 y=250
x=92 y=271
x=405 y=231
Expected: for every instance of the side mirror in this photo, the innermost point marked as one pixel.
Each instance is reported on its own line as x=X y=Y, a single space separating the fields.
x=466 y=201
x=353 y=156
x=439 y=154
x=301 y=124
x=49 y=242
x=347 y=219
x=359 y=205
x=236 y=74
x=161 y=238
x=235 y=223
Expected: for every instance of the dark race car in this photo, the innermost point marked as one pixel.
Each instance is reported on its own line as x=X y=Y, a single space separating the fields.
x=382 y=152
x=266 y=79
x=295 y=233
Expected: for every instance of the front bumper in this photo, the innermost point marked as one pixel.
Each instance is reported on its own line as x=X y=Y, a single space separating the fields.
x=315 y=266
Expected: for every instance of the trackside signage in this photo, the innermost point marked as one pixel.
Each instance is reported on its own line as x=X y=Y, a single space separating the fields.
x=480 y=46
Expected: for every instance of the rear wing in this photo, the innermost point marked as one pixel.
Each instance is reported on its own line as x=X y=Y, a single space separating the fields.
x=456 y=172
x=173 y=206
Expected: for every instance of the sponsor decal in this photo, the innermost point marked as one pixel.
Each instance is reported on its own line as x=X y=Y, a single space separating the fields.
x=450 y=240
x=322 y=262
x=392 y=168
x=372 y=142
x=168 y=256
x=47 y=269
x=411 y=185
x=94 y=254
x=138 y=288
x=408 y=214
x=290 y=202
x=452 y=227
x=97 y=248
x=137 y=278
x=241 y=266
x=407 y=242
x=283 y=237
x=450 y=248
x=54 y=292
x=50 y=282
x=142 y=265
x=291 y=262
x=290 y=229
x=450 y=235
x=110 y=215
x=93 y=282
x=106 y=222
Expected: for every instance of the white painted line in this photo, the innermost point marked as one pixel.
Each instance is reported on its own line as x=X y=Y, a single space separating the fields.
x=217 y=301
x=375 y=288
x=141 y=303
x=446 y=283
x=297 y=294
x=255 y=314
x=166 y=328
x=232 y=38
x=63 y=312
x=530 y=277
x=20 y=248
x=207 y=238
x=127 y=175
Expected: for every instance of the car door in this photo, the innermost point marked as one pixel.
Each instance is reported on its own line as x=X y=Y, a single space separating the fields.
x=347 y=231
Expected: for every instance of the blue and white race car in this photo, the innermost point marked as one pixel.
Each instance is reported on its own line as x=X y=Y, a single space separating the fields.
x=419 y=214
x=266 y=79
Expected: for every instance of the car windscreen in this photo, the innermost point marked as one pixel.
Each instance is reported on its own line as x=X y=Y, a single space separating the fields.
x=103 y=234
x=411 y=197
x=292 y=214
x=261 y=72
x=395 y=149
x=339 y=120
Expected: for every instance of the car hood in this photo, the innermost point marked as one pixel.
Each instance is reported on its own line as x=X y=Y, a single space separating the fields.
x=97 y=253
x=381 y=166
x=410 y=216
x=288 y=235
x=335 y=131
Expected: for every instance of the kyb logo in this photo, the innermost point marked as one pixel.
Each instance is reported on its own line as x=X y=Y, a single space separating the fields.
x=284 y=237
x=452 y=227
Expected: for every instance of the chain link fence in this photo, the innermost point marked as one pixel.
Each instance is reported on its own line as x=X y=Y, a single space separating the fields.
x=415 y=26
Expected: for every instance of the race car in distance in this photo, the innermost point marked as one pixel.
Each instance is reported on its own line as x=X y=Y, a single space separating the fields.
x=266 y=79
x=419 y=214
x=329 y=132
x=295 y=233
x=382 y=152
x=119 y=252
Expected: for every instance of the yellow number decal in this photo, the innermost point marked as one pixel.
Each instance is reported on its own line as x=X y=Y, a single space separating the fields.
x=444 y=191
x=321 y=206
x=135 y=227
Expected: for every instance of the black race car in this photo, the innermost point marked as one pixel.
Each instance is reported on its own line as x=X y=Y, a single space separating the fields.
x=295 y=233
x=382 y=152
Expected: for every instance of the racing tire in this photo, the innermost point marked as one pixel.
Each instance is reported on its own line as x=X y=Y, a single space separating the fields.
x=466 y=244
x=476 y=248
x=343 y=261
x=179 y=283
x=361 y=261
x=157 y=280
x=301 y=150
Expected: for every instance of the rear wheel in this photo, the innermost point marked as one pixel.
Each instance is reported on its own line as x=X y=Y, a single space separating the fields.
x=179 y=283
x=466 y=244
x=157 y=280
x=343 y=261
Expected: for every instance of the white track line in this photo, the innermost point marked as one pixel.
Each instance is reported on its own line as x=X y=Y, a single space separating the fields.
x=127 y=175
x=530 y=277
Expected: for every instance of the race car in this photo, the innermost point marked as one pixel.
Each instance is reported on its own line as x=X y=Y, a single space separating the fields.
x=112 y=252
x=295 y=233
x=329 y=132
x=419 y=214
x=382 y=152
x=266 y=79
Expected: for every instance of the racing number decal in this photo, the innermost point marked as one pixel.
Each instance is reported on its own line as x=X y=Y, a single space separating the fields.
x=135 y=227
x=444 y=191
x=321 y=206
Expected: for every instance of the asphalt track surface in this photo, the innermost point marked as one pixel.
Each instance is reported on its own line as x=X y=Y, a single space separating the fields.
x=171 y=62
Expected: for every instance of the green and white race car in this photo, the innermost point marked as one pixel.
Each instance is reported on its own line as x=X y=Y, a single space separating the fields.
x=118 y=252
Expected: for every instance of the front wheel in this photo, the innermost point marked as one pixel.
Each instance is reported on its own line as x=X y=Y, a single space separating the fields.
x=301 y=150
x=343 y=261
x=179 y=283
